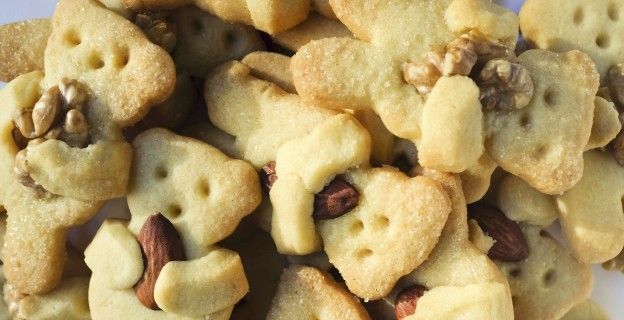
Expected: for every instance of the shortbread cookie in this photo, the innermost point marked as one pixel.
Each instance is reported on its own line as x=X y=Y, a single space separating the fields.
x=322 y=73
x=549 y=282
x=324 y=8
x=586 y=310
x=455 y=270
x=21 y=47
x=190 y=289
x=590 y=26
x=392 y=230
x=549 y=154
x=476 y=179
x=204 y=41
x=112 y=74
x=590 y=213
x=205 y=202
x=34 y=248
x=307 y=293
x=270 y=16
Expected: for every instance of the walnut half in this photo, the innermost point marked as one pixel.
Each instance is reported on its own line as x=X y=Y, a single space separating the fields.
x=504 y=85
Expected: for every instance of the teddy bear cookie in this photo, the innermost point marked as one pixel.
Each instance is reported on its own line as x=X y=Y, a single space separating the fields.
x=546 y=280
x=306 y=292
x=455 y=270
x=172 y=276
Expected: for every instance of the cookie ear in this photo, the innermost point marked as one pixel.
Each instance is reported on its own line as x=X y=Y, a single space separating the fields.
x=126 y=73
x=591 y=212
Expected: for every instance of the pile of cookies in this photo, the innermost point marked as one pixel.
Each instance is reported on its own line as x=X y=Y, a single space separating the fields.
x=311 y=159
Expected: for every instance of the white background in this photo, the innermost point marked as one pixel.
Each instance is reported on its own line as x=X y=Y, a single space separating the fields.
x=609 y=286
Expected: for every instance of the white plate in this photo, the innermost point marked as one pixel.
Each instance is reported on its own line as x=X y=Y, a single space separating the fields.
x=609 y=286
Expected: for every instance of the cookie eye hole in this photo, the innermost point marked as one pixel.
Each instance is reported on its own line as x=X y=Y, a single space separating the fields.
x=515 y=272
x=121 y=57
x=202 y=188
x=161 y=172
x=549 y=278
x=357 y=227
x=175 y=210
x=602 y=40
x=382 y=221
x=364 y=253
x=613 y=12
x=95 y=61
x=551 y=97
x=525 y=120
x=72 y=38
x=579 y=16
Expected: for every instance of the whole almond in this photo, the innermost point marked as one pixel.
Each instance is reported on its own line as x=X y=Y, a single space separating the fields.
x=160 y=244
x=510 y=244
x=405 y=304
x=336 y=199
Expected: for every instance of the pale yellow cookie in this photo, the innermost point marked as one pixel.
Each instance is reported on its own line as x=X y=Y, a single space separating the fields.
x=590 y=213
x=210 y=281
x=476 y=179
x=34 y=245
x=458 y=276
x=203 y=192
x=21 y=47
x=590 y=26
x=323 y=7
x=586 y=310
x=204 y=41
x=543 y=142
x=307 y=293
x=392 y=230
x=549 y=282
x=336 y=72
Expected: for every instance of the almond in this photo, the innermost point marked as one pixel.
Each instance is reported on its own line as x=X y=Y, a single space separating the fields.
x=336 y=199
x=160 y=243
x=405 y=304
x=510 y=244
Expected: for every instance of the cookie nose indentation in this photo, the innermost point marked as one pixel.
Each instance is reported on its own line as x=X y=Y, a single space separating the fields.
x=602 y=40
x=579 y=16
